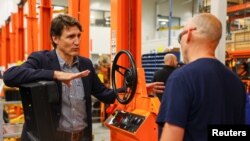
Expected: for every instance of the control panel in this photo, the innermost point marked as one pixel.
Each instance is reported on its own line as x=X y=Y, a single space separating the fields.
x=126 y=121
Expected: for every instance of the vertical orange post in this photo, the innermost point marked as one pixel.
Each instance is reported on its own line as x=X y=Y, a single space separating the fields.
x=20 y=32
x=12 y=39
x=73 y=7
x=3 y=47
x=12 y=47
x=84 y=19
x=80 y=10
x=17 y=39
x=7 y=47
x=126 y=35
x=45 y=19
x=119 y=28
x=136 y=30
x=32 y=27
x=126 y=27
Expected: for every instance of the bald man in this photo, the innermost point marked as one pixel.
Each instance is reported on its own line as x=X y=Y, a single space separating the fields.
x=170 y=63
x=202 y=92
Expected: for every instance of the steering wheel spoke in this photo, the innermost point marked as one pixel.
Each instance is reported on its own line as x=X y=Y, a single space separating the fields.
x=118 y=68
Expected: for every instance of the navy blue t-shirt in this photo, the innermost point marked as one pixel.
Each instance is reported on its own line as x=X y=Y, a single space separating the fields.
x=201 y=93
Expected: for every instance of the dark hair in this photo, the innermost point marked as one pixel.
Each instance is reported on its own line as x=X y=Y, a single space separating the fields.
x=58 y=24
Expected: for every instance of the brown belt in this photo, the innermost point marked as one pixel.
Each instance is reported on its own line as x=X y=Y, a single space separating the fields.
x=69 y=136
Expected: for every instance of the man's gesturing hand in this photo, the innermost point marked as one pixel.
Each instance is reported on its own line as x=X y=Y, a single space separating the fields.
x=155 y=87
x=66 y=77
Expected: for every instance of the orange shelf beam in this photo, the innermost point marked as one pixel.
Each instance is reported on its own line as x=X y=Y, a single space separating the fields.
x=238 y=7
x=240 y=53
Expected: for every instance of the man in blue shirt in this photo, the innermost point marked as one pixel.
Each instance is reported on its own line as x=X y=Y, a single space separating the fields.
x=203 y=92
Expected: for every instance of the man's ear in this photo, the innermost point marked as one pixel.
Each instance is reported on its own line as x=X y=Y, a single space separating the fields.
x=55 y=39
x=189 y=33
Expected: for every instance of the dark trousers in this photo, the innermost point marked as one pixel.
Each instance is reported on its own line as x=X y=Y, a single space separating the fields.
x=24 y=136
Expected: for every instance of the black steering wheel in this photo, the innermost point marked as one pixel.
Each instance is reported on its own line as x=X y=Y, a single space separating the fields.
x=129 y=76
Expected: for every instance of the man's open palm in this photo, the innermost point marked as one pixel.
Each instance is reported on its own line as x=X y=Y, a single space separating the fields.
x=66 y=77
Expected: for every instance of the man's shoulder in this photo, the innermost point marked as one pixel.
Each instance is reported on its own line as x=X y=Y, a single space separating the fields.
x=43 y=55
x=159 y=71
x=181 y=72
x=85 y=59
x=42 y=52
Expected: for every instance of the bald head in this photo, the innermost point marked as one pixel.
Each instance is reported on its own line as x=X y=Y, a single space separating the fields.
x=208 y=26
x=170 y=60
x=200 y=37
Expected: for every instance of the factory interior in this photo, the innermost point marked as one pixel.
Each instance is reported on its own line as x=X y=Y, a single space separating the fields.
x=134 y=33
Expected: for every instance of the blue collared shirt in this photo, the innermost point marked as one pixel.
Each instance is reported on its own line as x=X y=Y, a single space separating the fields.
x=73 y=113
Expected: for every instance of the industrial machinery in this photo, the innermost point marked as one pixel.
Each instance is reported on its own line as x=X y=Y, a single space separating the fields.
x=133 y=116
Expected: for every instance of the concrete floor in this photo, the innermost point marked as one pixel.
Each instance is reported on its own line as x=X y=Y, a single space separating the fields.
x=101 y=133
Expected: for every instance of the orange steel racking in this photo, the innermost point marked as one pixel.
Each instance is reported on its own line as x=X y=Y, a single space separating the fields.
x=239 y=9
x=7 y=41
x=239 y=53
x=20 y=33
x=13 y=43
x=45 y=18
x=32 y=27
x=13 y=48
x=4 y=43
x=3 y=46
